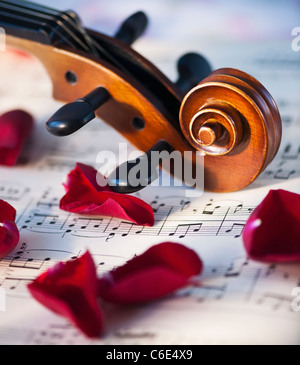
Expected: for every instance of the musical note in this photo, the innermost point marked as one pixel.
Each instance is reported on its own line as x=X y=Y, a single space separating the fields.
x=110 y=236
x=79 y=224
x=236 y=229
x=56 y=165
x=16 y=286
x=284 y=175
x=236 y=268
x=29 y=263
x=271 y=270
x=275 y=301
x=238 y=208
x=207 y=292
x=291 y=152
x=183 y=229
x=124 y=228
x=12 y=191
x=210 y=209
x=43 y=222
x=184 y=204
x=139 y=230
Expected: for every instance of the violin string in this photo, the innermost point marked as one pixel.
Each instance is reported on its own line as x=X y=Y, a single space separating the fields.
x=66 y=23
x=6 y=17
x=71 y=19
x=36 y=25
x=47 y=14
x=76 y=21
x=45 y=19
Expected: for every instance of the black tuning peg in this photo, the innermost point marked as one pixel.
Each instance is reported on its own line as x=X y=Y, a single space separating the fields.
x=132 y=28
x=127 y=178
x=192 y=69
x=73 y=116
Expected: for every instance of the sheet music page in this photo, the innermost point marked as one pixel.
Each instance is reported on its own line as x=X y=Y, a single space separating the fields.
x=238 y=301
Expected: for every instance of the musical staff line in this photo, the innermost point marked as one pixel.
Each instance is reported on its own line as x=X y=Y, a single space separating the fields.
x=174 y=220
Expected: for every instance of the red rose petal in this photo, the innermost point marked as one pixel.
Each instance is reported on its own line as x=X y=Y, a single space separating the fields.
x=7 y=212
x=85 y=196
x=9 y=233
x=272 y=232
x=9 y=237
x=70 y=289
x=156 y=273
x=15 y=128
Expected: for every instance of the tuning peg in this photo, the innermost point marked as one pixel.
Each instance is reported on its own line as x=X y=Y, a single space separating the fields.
x=75 y=115
x=124 y=181
x=192 y=69
x=132 y=28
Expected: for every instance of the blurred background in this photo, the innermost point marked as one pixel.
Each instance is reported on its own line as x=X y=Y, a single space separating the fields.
x=240 y=34
x=179 y=26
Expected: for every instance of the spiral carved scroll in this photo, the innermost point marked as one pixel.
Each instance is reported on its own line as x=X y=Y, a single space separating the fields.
x=234 y=120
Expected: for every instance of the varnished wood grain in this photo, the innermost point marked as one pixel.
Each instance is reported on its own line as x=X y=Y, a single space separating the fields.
x=241 y=123
x=251 y=123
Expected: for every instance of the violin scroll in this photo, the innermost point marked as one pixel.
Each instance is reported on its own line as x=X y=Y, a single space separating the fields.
x=235 y=122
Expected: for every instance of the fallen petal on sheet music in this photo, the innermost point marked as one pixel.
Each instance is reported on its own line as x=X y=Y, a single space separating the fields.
x=85 y=196
x=156 y=273
x=15 y=128
x=272 y=232
x=70 y=289
x=9 y=233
